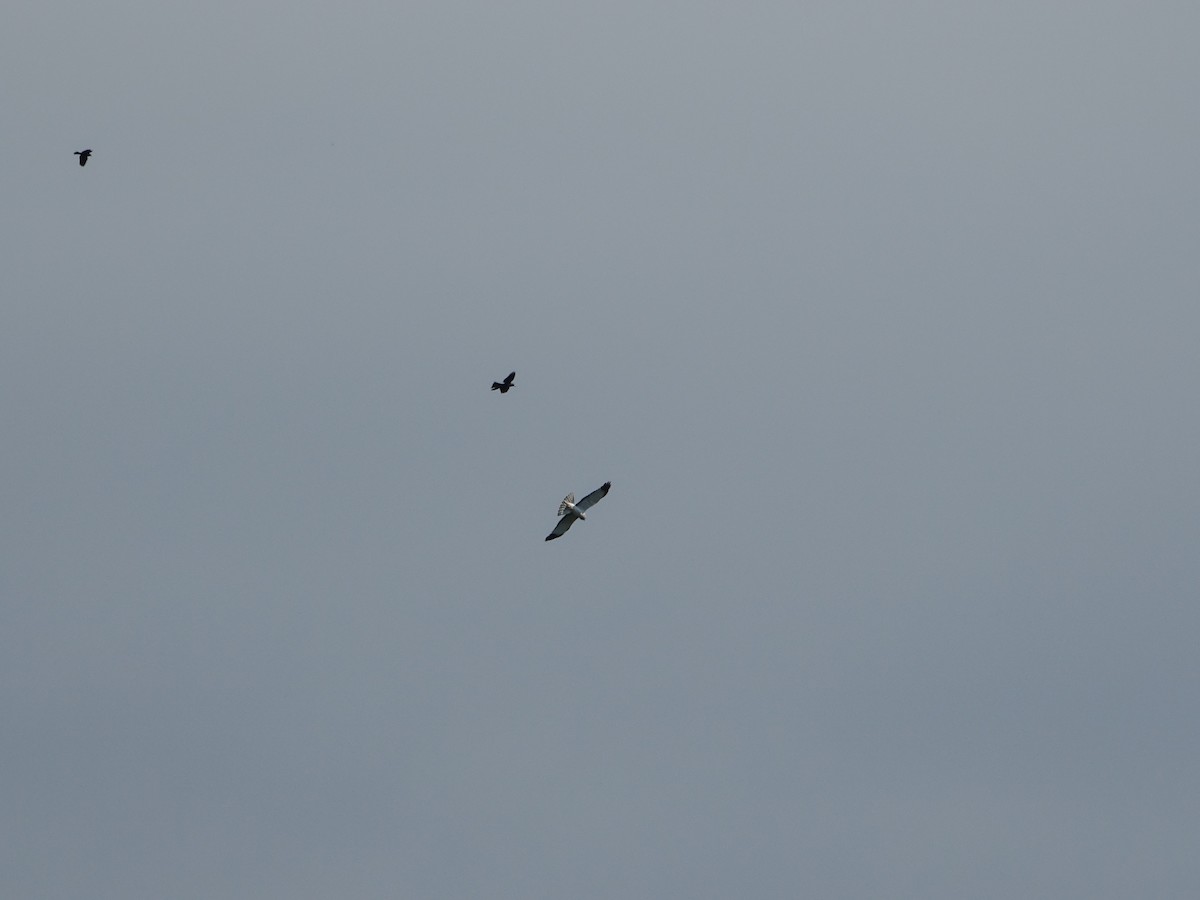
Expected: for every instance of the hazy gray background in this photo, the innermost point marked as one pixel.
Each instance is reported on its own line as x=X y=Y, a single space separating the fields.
x=881 y=318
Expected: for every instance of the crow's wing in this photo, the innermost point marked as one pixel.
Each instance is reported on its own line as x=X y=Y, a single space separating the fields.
x=594 y=497
x=509 y=379
x=561 y=528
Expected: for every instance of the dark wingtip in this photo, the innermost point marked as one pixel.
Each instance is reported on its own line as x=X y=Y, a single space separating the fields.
x=551 y=537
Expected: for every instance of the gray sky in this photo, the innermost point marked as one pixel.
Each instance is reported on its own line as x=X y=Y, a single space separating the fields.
x=881 y=318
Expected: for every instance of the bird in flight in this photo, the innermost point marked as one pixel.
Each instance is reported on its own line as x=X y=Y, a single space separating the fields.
x=503 y=386
x=570 y=510
x=83 y=156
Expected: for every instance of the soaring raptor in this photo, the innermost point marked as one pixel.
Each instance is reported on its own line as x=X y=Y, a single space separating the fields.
x=570 y=510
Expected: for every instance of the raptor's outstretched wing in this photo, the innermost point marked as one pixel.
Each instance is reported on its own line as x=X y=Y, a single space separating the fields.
x=561 y=527
x=594 y=497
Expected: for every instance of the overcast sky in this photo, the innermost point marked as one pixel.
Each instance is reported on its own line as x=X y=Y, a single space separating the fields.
x=881 y=318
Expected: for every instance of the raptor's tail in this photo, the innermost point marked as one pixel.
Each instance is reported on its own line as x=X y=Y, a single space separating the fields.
x=568 y=501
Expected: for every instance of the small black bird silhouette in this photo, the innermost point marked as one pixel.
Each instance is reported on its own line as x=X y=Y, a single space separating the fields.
x=503 y=386
x=83 y=156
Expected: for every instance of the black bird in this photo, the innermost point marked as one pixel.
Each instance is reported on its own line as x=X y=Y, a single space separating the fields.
x=503 y=386
x=83 y=156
